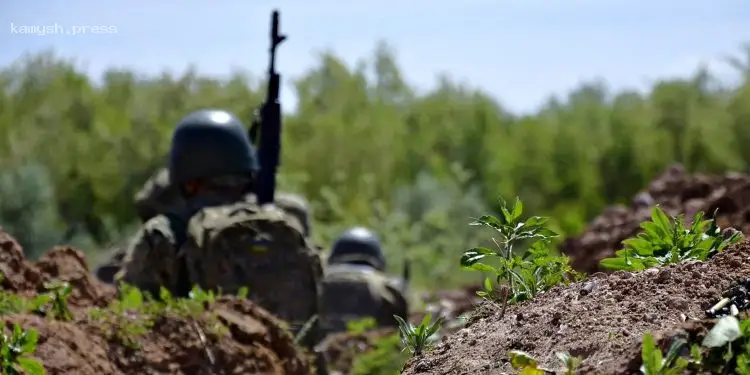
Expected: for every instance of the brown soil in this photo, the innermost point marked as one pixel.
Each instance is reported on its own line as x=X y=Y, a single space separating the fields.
x=676 y=192
x=601 y=319
x=254 y=344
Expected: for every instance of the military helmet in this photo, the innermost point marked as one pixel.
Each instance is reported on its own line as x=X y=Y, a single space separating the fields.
x=210 y=143
x=358 y=245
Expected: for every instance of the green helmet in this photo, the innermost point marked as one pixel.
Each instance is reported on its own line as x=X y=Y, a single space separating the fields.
x=358 y=246
x=210 y=143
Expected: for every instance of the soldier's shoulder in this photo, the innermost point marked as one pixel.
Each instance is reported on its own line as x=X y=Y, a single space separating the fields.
x=158 y=222
x=291 y=201
x=157 y=182
x=245 y=210
x=356 y=271
x=278 y=212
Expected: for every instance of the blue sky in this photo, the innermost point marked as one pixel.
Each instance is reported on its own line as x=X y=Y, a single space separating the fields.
x=520 y=51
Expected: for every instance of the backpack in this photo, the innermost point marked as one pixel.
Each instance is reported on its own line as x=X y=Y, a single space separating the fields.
x=243 y=245
x=352 y=292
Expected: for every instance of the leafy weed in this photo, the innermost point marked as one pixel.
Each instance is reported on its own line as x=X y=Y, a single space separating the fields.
x=667 y=240
x=517 y=278
x=418 y=338
x=16 y=352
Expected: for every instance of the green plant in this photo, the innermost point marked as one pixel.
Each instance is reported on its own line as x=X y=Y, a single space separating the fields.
x=517 y=278
x=418 y=338
x=57 y=297
x=667 y=240
x=386 y=358
x=529 y=365
x=571 y=362
x=360 y=326
x=726 y=347
x=133 y=314
x=654 y=362
x=11 y=303
x=126 y=318
x=16 y=352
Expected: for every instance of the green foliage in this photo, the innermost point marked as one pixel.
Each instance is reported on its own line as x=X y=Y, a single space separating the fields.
x=27 y=208
x=726 y=347
x=418 y=338
x=11 y=303
x=360 y=145
x=360 y=326
x=125 y=319
x=16 y=351
x=519 y=278
x=386 y=358
x=655 y=363
x=133 y=313
x=56 y=300
x=668 y=241
x=53 y=303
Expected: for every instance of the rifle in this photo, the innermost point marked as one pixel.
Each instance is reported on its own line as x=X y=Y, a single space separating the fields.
x=269 y=124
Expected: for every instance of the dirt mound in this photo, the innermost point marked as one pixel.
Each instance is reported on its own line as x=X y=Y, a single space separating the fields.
x=250 y=342
x=600 y=319
x=676 y=192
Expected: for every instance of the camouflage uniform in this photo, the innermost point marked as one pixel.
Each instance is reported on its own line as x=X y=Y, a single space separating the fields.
x=170 y=249
x=159 y=195
x=355 y=285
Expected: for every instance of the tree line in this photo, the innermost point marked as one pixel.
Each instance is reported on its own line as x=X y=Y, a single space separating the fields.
x=363 y=146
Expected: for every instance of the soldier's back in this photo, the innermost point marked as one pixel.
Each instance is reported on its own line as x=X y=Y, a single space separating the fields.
x=261 y=248
x=352 y=292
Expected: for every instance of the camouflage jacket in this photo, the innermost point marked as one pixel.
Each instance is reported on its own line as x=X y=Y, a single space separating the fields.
x=158 y=195
x=151 y=259
x=352 y=292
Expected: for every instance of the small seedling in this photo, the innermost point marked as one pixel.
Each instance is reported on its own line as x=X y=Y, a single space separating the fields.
x=11 y=303
x=126 y=318
x=654 y=362
x=666 y=240
x=517 y=278
x=58 y=295
x=417 y=339
x=16 y=352
x=571 y=363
